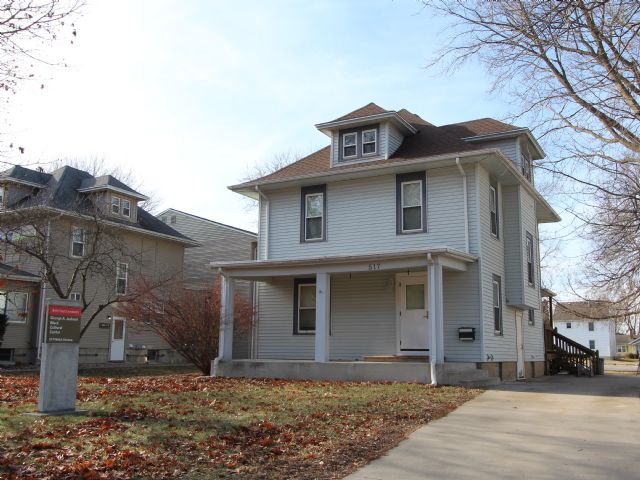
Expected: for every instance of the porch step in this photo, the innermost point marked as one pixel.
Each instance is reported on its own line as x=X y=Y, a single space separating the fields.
x=397 y=358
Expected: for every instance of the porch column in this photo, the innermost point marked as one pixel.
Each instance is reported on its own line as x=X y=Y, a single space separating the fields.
x=225 y=346
x=323 y=310
x=436 y=329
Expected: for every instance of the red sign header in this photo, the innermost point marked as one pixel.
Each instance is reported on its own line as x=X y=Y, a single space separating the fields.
x=65 y=311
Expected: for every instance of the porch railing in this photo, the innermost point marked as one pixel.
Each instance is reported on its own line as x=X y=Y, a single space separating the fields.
x=568 y=355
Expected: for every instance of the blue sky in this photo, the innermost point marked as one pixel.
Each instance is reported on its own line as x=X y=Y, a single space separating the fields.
x=191 y=94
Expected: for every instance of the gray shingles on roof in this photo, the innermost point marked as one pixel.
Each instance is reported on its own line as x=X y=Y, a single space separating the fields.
x=23 y=174
x=106 y=181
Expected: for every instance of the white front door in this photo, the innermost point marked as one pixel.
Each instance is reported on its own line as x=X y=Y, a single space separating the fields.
x=412 y=315
x=520 y=343
x=116 y=350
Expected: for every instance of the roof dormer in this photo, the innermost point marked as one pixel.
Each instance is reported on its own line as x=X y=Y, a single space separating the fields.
x=366 y=134
x=121 y=200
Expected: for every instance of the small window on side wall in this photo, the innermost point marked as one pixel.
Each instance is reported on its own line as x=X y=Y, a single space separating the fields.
x=530 y=257
x=115 y=205
x=304 y=311
x=411 y=203
x=313 y=209
x=497 y=304
x=532 y=317
x=493 y=210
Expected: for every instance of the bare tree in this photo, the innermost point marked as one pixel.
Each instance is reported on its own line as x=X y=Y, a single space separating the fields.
x=188 y=320
x=571 y=68
x=98 y=264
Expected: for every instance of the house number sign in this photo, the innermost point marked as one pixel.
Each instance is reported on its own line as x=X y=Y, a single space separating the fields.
x=374 y=266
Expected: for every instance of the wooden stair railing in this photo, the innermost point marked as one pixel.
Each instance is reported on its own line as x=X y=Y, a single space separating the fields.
x=566 y=354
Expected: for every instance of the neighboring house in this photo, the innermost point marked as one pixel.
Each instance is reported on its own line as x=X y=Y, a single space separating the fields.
x=400 y=240
x=68 y=202
x=215 y=241
x=587 y=323
x=626 y=345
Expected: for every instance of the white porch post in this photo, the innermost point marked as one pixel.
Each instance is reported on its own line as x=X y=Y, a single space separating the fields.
x=225 y=346
x=323 y=298
x=436 y=330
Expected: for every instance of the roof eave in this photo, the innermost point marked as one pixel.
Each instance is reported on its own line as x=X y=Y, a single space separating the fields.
x=509 y=134
x=327 y=127
x=22 y=182
x=97 y=188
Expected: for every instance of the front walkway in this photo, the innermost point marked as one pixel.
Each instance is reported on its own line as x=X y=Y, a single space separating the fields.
x=556 y=427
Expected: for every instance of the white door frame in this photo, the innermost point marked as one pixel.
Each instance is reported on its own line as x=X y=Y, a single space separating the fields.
x=399 y=303
x=117 y=355
x=520 y=373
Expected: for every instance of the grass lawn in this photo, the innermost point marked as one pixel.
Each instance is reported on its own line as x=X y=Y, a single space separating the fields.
x=188 y=426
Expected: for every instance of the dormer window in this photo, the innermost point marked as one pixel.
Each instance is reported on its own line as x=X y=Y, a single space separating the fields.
x=126 y=208
x=350 y=145
x=115 y=205
x=369 y=142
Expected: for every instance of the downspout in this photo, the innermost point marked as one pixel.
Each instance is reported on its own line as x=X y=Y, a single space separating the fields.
x=466 y=205
x=43 y=292
x=433 y=358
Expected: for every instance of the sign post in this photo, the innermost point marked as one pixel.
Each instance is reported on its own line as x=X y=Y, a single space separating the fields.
x=59 y=359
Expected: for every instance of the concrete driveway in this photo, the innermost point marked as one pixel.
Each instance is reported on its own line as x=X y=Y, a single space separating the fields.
x=556 y=427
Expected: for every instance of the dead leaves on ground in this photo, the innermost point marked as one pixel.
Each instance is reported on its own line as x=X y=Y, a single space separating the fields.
x=175 y=425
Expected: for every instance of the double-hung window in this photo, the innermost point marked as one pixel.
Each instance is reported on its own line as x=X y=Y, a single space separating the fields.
x=411 y=199
x=313 y=213
x=126 y=208
x=497 y=304
x=493 y=209
x=369 y=142
x=591 y=327
x=78 y=242
x=530 y=255
x=305 y=306
x=115 y=205
x=532 y=317
x=525 y=161
x=122 y=277
x=592 y=344
x=15 y=305
x=349 y=145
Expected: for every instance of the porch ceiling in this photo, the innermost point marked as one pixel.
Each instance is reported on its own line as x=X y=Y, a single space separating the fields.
x=256 y=269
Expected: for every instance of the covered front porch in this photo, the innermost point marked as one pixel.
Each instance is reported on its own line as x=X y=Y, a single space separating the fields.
x=327 y=318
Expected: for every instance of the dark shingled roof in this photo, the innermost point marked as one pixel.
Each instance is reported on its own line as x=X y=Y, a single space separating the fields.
x=106 y=181
x=428 y=141
x=8 y=270
x=61 y=192
x=23 y=174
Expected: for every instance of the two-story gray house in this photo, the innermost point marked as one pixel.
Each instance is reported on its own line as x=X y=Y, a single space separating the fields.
x=400 y=240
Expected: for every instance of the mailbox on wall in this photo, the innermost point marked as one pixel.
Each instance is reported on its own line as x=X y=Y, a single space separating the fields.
x=466 y=334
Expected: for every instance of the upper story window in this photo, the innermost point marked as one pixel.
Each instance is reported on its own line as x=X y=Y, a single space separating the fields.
x=370 y=142
x=126 y=208
x=78 y=242
x=532 y=318
x=122 y=278
x=313 y=213
x=568 y=324
x=525 y=162
x=530 y=256
x=358 y=144
x=493 y=209
x=350 y=145
x=115 y=205
x=591 y=326
x=411 y=201
x=15 y=305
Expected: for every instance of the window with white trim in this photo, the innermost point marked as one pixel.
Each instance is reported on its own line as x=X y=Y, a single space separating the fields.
x=411 y=198
x=530 y=256
x=313 y=216
x=532 y=318
x=126 y=208
x=568 y=324
x=497 y=304
x=115 y=205
x=622 y=349
x=15 y=305
x=369 y=142
x=75 y=297
x=349 y=145
x=592 y=344
x=305 y=307
x=122 y=277
x=525 y=162
x=591 y=326
x=78 y=242
x=493 y=208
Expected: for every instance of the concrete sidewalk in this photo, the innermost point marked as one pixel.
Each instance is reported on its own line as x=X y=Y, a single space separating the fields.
x=556 y=427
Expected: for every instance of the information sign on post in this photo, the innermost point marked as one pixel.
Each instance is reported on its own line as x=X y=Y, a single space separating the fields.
x=59 y=359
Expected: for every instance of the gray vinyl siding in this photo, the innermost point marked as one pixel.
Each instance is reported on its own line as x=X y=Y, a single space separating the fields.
x=335 y=147
x=20 y=335
x=509 y=147
x=501 y=347
x=514 y=247
x=263 y=234
x=533 y=337
x=364 y=210
x=395 y=139
x=529 y=224
x=461 y=295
